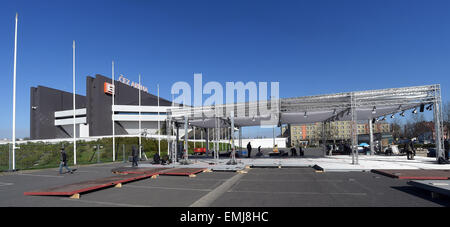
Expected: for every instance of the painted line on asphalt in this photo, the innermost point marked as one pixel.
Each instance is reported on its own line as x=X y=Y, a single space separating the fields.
x=103 y=203
x=304 y=193
x=167 y=188
x=209 y=198
x=38 y=175
x=5 y=184
x=293 y=181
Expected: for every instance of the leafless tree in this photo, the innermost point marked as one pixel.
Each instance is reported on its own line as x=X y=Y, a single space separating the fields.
x=396 y=128
x=416 y=126
x=446 y=115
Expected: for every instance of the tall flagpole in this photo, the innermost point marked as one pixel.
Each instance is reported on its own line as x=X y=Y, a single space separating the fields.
x=139 y=116
x=159 y=129
x=112 y=116
x=173 y=131
x=74 y=126
x=14 y=98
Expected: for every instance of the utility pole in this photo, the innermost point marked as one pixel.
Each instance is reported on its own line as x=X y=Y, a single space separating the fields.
x=139 y=88
x=14 y=99
x=112 y=116
x=74 y=125
x=159 y=129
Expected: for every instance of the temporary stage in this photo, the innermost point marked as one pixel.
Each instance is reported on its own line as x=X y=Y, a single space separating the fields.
x=355 y=106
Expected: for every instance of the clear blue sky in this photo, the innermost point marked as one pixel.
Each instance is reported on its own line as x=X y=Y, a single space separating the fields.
x=310 y=47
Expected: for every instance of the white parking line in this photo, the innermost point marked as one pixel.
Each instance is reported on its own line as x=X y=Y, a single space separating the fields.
x=167 y=188
x=103 y=203
x=213 y=195
x=5 y=184
x=303 y=193
x=37 y=175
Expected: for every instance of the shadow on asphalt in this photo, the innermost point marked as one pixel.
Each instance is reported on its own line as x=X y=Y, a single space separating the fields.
x=424 y=194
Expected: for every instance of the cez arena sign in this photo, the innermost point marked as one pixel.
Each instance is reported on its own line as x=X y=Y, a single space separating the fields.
x=109 y=88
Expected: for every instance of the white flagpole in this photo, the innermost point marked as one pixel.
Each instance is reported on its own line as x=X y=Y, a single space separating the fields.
x=14 y=98
x=74 y=126
x=173 y=131
x=112 y=116
x=139 y=116
x=159 y=129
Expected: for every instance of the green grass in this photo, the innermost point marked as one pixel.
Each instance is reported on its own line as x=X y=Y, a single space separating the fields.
x=45 y=155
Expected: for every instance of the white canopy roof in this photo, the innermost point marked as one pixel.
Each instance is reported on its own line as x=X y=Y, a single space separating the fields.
x=310 y=109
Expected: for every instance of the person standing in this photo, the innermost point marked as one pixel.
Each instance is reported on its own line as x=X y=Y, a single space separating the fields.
x=293 y=151
x=134 y=154
x=63 y=162
x=410 y=150
x=249 y=149
x=446 y=149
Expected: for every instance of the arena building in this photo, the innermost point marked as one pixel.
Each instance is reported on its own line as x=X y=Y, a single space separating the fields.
x=51 y=110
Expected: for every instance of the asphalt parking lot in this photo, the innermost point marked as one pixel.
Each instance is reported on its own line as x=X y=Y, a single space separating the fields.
x=260 y=187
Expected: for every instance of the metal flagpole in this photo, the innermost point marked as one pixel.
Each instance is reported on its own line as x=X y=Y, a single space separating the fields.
x=140 y=151
x=186 y=134
x=233 y=151
x=112 y=115
x=218 y=138
x=14 y=98
x=172 y=131
x=159 y=128
x=371 y=137
x=74 y=125
x=240 y=139
x=273 y=135
x=354 y=129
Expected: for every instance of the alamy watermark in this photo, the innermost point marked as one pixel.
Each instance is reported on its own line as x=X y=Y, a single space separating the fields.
x=248 y=100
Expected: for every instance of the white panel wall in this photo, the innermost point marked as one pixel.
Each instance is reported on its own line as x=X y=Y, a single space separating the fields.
x=69 y=121
x=264 y=143
x=69 y=113
x=84 y=130
x=135 y=109
x=135 y=117
x=132 y=127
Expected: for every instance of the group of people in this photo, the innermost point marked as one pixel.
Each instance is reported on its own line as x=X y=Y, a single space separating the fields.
x=249 y=151
x=409 y=149
x=300 y=150
x=275 y=150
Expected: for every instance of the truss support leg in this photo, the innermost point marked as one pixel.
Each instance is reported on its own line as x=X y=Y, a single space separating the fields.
x=372 y=145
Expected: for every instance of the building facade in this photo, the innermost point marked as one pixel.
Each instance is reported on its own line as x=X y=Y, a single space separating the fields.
x=337 y=130
x=52 y=114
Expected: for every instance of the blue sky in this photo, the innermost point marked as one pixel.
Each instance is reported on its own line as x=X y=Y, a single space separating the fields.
x=310 y=47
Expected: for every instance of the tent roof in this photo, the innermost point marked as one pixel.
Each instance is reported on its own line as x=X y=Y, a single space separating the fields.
x=309 y=109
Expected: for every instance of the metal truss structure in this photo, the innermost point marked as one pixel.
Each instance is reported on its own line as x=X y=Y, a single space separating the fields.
x=350 y=106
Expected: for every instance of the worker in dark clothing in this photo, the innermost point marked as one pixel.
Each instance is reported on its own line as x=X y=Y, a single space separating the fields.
x=446 y=149
x=134 y=154
x=410 y=151
x=293 y=151
x=64 y=162
x=156 y=158
x=301 y=152
x=249 y=149
x=259 y=154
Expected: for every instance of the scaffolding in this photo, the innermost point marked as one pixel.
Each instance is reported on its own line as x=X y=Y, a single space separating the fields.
x=349 y=106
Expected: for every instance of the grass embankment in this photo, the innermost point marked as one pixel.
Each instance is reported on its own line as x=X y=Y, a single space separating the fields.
x=46 y=155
